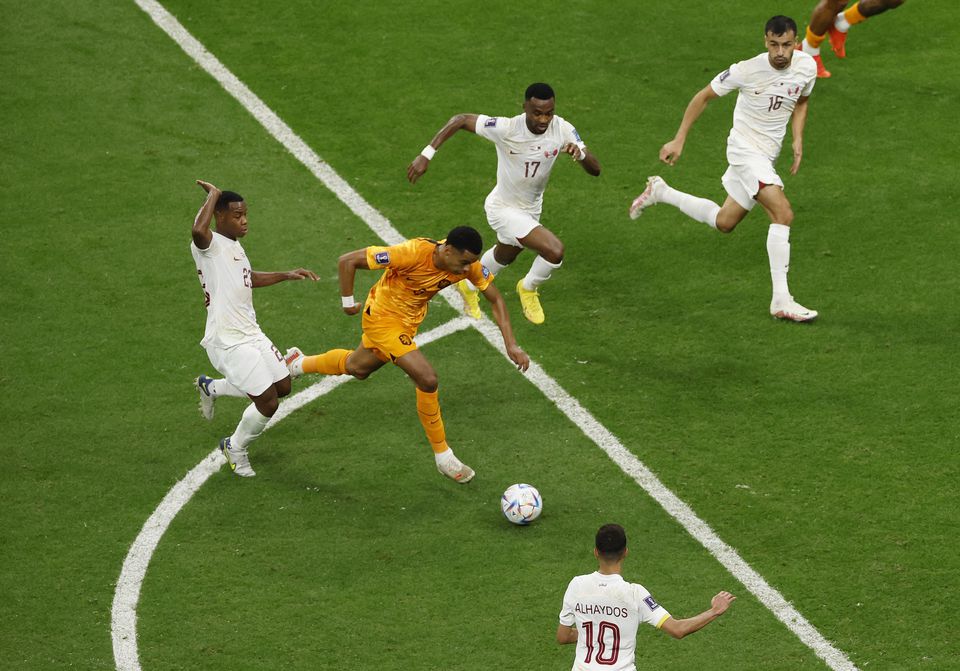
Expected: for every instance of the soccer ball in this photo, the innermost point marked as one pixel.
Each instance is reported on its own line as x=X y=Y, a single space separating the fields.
x=521 y=504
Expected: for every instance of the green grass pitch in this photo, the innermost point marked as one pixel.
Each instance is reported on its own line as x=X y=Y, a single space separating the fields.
x=825 y=454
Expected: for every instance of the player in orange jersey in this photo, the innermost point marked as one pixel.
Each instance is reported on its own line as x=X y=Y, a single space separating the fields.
x=414 y=271
x=830 y=16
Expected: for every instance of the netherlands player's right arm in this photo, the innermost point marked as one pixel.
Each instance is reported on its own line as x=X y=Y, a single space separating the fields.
x=201 y=224
x=347 y=268
x=670 y=152
x=421 y=162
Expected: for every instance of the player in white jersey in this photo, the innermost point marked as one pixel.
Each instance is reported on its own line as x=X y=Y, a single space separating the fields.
x=528 y=146
x=252 y=367
x=774 y=89
x=602 y=612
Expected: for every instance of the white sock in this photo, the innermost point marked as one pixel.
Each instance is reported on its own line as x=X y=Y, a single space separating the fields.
x=251 y=425
x=703 y=210
x=443 y=457
x=808 y=49
x=539 y=273
x=778 y=249
x=841 y=23
x=490 y=262
x=224 y=388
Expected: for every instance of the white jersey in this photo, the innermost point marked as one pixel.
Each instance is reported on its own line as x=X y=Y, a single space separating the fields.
x=524 y=159
x=607 y=610
x=766 y=100
x=227 y=281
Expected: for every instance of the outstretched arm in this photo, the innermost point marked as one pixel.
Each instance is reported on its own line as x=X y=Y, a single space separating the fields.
x=500 y=315
x=797 y=122
x=264 y=279
x=347 y=268
x=421 y=162
x=681 y=628
x=670 y=152
x=201 y=224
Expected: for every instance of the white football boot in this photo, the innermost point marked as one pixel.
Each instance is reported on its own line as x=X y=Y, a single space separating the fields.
x=294 y=360
x=650 y=196
x=206 y=399
x=453 y=468
x=784 y=307
x=239 y=460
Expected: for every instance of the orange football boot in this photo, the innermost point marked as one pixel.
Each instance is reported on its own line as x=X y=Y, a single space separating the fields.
x=838 y=42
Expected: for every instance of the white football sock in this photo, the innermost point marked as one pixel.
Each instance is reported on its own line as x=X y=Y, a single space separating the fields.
x=539 y=273
x=251 y=425
x=809 y=49
x=703 y=210
x=223 y=388
x=489 y=261
x=778 y=249
x=443 y=457
x=841 y=23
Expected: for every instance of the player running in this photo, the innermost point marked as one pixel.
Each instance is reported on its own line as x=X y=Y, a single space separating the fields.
x=774 y=88
x=602 y=611
x=414 y=271
x=829 y=16
x=528 y=146
x=252 y=367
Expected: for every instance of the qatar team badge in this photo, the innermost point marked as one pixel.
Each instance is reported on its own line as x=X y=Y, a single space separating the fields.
x=382 y=258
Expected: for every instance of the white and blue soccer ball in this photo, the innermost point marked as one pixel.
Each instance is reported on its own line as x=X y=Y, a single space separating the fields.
x=521 y=503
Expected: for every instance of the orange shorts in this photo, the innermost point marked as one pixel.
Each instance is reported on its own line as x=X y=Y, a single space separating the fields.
x=389 y=339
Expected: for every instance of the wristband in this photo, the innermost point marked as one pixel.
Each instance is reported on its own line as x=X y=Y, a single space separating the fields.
x=347 y=302
x=583 y=151
x=428 y=152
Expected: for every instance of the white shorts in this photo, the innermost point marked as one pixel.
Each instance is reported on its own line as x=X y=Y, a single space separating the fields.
x=744 y=176
x=510 y=223
x=252 y=366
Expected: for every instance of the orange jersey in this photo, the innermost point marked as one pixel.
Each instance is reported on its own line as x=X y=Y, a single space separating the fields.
x=411 y=279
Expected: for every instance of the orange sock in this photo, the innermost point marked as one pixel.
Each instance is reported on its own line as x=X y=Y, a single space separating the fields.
x=815 y=40
x=853 y=15
x=428 y=409
x=333 y=362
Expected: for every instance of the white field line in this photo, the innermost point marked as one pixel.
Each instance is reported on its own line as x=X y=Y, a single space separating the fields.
x=127 y=594
x=626 y=460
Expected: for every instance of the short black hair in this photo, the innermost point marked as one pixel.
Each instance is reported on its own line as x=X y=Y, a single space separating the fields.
x=227 y=197
x=611 y=542
x=780 y=25
x=466 y=239
x=540 y=91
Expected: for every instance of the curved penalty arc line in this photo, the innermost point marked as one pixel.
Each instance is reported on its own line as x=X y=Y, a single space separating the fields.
x=123 y=617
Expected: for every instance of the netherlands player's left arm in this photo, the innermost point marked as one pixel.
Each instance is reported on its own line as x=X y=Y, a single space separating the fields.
x=797 y=122
x=502 y=317
x=265 y=279
x=566 y=634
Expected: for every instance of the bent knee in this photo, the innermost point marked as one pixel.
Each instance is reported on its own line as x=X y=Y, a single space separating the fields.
x=428 y=383
x=283 y=387
x=785 y=216
x=268 y=407
x=554 y=254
